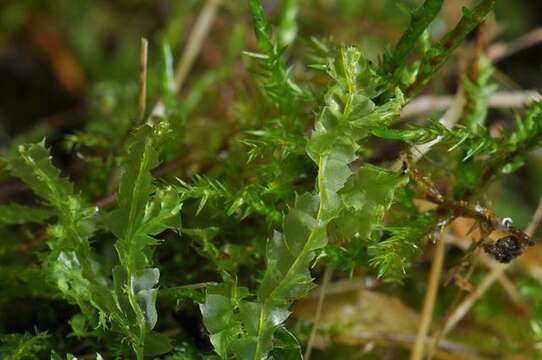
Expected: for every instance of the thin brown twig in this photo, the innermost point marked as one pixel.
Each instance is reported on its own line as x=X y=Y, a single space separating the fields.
x=322 y=294
x=502 y=99
x=535 y=221
x=142 y=99
x=462 y=309
x=500 y=51
x=191 y=51
x=195 y=41
x=429 y=300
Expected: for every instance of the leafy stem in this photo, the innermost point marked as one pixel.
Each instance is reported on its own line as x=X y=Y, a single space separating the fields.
x=295 y=266
x=439 y=52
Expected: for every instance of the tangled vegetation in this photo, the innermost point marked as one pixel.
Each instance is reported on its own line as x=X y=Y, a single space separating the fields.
x=168 y=232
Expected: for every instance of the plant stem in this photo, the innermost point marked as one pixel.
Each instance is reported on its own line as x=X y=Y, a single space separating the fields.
x=442 y=50
x=429 y=300
x=195 y=41
x=325 y=282
x=143 y=56
x=420 y=20
x=500 y=100
x=293 y=269
x=500 y=51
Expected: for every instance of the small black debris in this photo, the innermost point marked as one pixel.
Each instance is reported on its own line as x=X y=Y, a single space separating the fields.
x=505 y=249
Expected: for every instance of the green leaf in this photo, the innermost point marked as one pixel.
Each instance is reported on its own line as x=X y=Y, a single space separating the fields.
x=420 y=19
x=32 y=164
x=156 y=344
x=287 y=347
x=143 y=211
x=220 y=316
x=366 y=198
x=18 y=214
x=437 y=54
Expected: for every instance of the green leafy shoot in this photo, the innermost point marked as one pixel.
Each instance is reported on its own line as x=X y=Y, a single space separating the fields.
x=420 y=19
x=269 y=69
x=477 y=93
x=241 y=203
x=344 y=120
x=393 y=255
x=24 y=346
x=144 y=210
x=438 y=53
x=69 y=262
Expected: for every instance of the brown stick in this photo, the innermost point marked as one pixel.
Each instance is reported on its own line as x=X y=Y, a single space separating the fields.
x=143 y=57
x=191 y=50
x=500 y=51
x=429 y=300
x=535 y=221
x=502 y=99
x=195 y=40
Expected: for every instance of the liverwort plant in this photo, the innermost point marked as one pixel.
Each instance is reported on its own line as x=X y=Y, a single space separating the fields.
x=249 y=329
x=126 y=304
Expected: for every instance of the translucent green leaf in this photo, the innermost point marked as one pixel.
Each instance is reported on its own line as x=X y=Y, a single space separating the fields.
x=366 y=198
x=156 y=344
x=143 y=211
x=32 y=164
